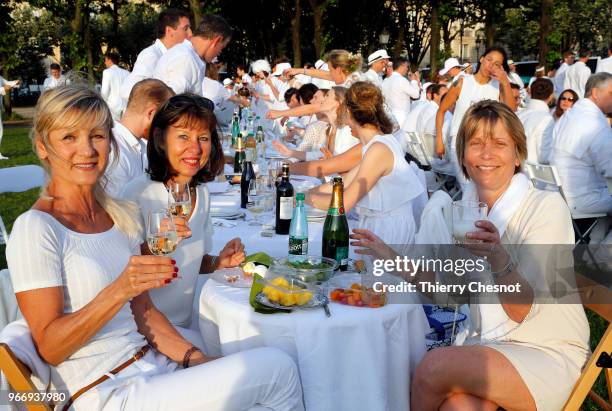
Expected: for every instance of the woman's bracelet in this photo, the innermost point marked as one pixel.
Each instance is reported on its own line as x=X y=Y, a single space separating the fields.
x=504 y=271
x=188 y=355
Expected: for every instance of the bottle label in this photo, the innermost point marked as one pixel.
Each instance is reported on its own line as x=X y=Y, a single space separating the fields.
x=298 y=246
x=342 y=255
x=333 y=211
x=286 y=208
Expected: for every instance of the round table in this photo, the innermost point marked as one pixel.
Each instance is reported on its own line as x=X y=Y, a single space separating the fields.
x=358 y=359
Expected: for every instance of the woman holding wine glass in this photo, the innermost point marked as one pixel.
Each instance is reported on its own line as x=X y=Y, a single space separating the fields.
x=528 y=349
x=82 y=287
x=184 y=152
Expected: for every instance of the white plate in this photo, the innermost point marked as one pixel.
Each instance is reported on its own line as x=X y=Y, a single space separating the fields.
x=229 y=215
x=218 y=188
x=226 y=275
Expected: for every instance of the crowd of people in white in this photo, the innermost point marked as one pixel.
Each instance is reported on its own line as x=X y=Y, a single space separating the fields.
x=478 y=125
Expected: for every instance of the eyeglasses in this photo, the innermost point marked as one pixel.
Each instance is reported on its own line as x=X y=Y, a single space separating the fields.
x=570 y=99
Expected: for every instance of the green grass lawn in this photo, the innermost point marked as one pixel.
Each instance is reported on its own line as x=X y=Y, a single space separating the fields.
x=16 y=145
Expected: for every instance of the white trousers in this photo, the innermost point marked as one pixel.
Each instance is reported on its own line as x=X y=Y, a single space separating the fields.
x=258 y=379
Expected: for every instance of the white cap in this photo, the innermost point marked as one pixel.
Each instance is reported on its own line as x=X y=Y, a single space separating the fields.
x=280 y=68
x=319 y=64
x=541 y=68
x=377 y=55
x=261 y=65
x=510 y=62
x=227 y=81
x=449 y=64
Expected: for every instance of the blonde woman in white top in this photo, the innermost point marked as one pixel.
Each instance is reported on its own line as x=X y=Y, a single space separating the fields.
x=529 y=352
x=383 y=185
x=83 y=287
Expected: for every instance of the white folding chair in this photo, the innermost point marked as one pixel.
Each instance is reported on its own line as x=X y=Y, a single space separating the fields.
x=417 y=148
x=15 y=180
x=546 y=177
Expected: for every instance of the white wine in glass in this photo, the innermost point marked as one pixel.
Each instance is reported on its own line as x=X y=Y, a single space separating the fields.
x=179 y=199
x=162 y=237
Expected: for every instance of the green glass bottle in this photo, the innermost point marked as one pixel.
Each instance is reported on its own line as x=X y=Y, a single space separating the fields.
x=335 y=229
x=240 y=155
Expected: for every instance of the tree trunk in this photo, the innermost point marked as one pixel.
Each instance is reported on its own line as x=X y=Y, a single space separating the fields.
x=435 y=36
x=196 y=10
x=113 y=43
x=545 y=28
x=88 y=51
x=399 y=43
x=402 y=38
x=8 y=104
x=295 y=35
x=318 y=8
x=489 y=29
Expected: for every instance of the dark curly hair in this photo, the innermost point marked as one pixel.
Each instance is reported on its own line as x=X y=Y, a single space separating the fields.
x=189 y=110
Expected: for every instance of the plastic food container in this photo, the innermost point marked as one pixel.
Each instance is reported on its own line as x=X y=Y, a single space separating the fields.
x=311 y=269
x=287 y=291
x=358 y=296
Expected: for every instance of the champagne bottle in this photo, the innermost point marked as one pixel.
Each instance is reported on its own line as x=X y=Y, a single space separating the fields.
x=251 y=145
x=284 y=202
x=235 y=128
x=248 y=174
x=298 y=231
x=335 y=229
x=239 y=156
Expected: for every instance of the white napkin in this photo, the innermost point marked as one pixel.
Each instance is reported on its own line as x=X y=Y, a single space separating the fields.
x=224 y=204
x=220 y=222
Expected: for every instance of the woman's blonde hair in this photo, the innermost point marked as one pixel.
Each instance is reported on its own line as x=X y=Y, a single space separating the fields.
x=341 y=115
x=347 y=61
x=484 y=116
x=68 y=107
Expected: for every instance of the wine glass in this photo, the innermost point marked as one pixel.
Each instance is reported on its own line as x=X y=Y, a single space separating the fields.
x=465 y=215
x=275 y=169
x=179 y=199
x=162 y=237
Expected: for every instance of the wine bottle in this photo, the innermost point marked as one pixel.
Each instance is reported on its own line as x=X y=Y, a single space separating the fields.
x=239 y=156
x=335 y=229
x=248 y=174
x=298 y=231
x=235 y=128
x=284 y=202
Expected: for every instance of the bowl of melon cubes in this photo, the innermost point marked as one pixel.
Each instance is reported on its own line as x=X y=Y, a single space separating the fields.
x=358 y=296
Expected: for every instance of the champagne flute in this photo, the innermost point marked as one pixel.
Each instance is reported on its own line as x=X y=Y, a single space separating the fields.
x=162 y=237
x=465 y=215
x=179 y=199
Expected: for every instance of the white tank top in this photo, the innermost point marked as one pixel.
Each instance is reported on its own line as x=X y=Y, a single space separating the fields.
x=472 y=92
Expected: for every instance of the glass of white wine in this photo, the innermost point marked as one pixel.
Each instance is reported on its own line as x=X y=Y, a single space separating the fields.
x=162 y=237
x=259 y=201
x=179 y=199
x=465 y=215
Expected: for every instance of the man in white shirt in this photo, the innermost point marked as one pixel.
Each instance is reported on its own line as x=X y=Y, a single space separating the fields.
x=398 y=91
x=582 y=148
x=112 y=78
x=426 y=122
x=319 y=82
x=453 y=70
x=173 y=27
x=55 y=78
x=131 y=134
x=377 y=62
x=559 y=80
x=183 y=67
x=538 y=122
x=242 y=73
x=5 y=87
x=605 y=64
x=577 y=74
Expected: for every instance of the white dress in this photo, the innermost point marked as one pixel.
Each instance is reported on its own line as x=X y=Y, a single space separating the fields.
x=387 y=209
x=176 y=299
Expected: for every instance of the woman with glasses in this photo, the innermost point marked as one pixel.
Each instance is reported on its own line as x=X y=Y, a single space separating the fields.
x=490 y=82
x=184 y=149
x=83 y=286
x=565 y=101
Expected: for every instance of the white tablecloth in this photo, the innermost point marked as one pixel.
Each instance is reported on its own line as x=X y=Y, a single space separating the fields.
x=359 y=359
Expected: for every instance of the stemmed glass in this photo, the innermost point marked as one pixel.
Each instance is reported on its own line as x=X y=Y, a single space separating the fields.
x=275 y=169
x=179 y=199
x=162 y=237
x=465 y=215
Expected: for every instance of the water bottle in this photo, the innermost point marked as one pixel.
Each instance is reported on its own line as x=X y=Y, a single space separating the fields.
x=298 y=231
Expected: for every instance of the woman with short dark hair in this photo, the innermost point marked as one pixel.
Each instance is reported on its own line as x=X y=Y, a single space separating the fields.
x=565 y=101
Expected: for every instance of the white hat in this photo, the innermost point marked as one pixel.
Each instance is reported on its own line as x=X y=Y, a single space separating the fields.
x=227 y=81
x=510 y=62
x=260 y=65
x=319 y=64
x=280 y=68
x=449 y=64
x=377 y=55
x=541 y=68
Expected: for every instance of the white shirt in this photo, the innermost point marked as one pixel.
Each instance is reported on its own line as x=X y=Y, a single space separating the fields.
x=44 y=253
x=143 y=68
x=472 y=92
x=214 y=91
x=604 y=65
x=52 y=82
x=373 y=77
x=576 y=77
x=344 y=140
x=321 y=83
x=582 y=153
x=181 y=69
x=112 y=78
x=426 y=121
x=397 y=91
x=559 y=79
x=246 y=78
x=131 y=162
x=538 y=124
x=176 y=299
